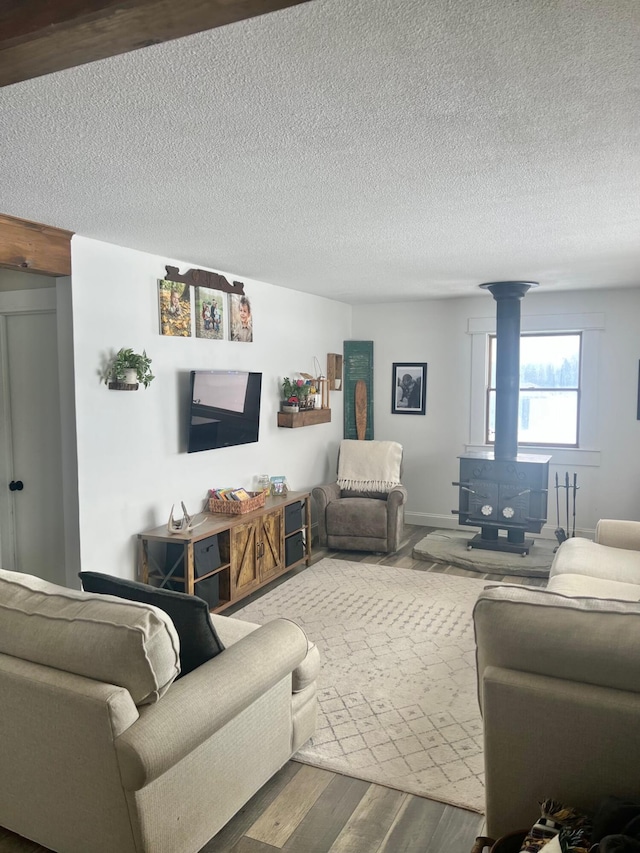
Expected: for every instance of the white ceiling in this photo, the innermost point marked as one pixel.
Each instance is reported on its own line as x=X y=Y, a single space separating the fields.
x=365 y=150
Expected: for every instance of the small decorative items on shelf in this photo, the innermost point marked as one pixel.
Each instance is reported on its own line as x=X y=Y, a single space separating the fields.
x=320 y=385
x=263 y=483
x=296 y=395
x=184 y=524
x=279 y=485
x=307 y=393
x=126 y=369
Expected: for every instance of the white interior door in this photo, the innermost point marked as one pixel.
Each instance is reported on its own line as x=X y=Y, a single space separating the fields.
x=31 y=517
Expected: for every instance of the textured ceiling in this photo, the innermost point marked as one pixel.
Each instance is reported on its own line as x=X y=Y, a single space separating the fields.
x=365 y=150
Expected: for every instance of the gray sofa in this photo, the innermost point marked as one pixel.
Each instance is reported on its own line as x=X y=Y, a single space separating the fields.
x=559 y=681
x=103 y=750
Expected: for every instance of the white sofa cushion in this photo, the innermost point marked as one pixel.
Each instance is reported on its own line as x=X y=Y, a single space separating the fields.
x=585 y=586
x=584 y=640
x=619 y=533
x=579 y=556
x=119 y=642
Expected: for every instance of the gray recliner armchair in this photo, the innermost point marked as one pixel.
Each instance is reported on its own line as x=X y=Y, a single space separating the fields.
x=364 y=509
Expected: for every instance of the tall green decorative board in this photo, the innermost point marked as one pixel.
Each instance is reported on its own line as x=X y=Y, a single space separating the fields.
x=358 y=364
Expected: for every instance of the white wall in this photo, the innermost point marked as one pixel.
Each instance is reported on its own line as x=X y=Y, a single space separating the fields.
x=420 y=332
x=437 y=332
x=132 y=460
x=132 y=463
x=69 y=458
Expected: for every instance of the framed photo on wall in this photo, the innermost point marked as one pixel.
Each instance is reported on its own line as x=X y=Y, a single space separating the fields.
x=210 y=305
x=241 y=318
x=409 y=388
x=174 y=302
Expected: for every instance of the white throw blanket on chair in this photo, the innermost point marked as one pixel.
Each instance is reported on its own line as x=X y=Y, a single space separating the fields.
x=369 y=466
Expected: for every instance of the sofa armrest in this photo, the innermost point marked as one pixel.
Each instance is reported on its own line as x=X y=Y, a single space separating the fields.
x=618 y=533
x=323 y=495
x=396 y=499
x=549 y=737
x=397 y=496
x=585 y=640
x=206 y=699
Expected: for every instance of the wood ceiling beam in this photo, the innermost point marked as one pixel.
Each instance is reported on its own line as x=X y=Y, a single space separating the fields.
x=32 y=247
x=40 y=37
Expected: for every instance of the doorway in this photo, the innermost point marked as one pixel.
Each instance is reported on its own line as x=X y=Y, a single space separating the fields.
x=32 y=537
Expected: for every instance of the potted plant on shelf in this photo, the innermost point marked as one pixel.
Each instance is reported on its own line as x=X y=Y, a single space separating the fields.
x=130 y=368
x=290 y=402
x=295 y=393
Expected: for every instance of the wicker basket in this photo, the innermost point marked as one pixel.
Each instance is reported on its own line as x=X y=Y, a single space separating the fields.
x=256 y=500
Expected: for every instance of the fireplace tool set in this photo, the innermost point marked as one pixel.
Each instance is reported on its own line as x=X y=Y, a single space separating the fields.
x=560 y=533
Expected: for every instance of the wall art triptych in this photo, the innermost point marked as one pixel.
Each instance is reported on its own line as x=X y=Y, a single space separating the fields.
x=206 y=313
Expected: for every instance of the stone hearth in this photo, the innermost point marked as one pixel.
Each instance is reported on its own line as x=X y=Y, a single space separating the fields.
x=450 y=546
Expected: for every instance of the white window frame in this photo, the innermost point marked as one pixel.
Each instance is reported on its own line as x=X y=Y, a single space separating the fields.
x=591 y=326
x=575 y=389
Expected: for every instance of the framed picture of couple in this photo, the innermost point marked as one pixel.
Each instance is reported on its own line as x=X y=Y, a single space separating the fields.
x=409 y=388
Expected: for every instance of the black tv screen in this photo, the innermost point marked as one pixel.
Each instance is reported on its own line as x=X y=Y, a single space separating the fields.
x=224 y=410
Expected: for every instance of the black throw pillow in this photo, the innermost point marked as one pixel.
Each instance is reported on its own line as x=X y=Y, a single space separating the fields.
x=614 y=816
x=199 y=641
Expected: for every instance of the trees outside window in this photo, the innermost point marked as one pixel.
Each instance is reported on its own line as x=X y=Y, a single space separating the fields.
x=549 y=405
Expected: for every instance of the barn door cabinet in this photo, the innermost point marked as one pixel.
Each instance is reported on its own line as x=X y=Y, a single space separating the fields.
x=229 y=556
x=256 y=552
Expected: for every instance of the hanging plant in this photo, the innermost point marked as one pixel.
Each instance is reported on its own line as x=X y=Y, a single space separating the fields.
x=127 y=360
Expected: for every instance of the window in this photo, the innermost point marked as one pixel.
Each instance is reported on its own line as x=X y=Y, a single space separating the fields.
x=549 y=406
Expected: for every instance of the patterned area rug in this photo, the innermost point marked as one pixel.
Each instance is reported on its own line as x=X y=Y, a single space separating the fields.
x=397 y=691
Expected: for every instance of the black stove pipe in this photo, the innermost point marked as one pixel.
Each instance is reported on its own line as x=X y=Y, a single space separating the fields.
x=508 y=295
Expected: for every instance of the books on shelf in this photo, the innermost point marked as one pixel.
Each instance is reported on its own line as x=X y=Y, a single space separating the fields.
x=220 y=494
x=240 y=495
x=229 y=494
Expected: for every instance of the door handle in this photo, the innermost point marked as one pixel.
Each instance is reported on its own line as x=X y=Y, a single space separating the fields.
x=16 y=486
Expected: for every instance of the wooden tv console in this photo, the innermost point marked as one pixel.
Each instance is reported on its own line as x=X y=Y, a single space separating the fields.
x=254 y=548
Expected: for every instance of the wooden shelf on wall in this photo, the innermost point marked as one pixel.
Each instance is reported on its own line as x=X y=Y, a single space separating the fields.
x=305 y=418
x=123 y=386
x=334 y=370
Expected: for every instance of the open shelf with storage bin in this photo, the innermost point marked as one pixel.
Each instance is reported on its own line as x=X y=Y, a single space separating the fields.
x=197 y=563
x=229 y=556
x=297 y=544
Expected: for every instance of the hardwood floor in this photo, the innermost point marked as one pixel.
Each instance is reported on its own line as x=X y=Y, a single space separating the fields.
x=305 y=809
x=402 y=559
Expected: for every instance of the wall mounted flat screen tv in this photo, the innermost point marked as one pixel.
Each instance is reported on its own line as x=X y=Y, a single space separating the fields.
x=224 y=409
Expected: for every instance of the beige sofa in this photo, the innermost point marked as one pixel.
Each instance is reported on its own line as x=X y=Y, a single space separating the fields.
x=559 y=681
x=104 y=751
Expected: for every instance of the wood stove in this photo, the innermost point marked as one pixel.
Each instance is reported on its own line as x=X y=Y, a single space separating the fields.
x=504 y=490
